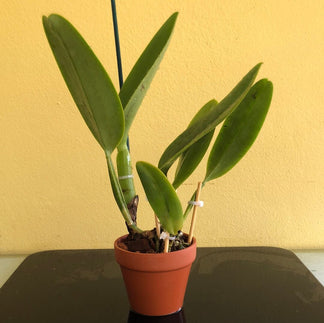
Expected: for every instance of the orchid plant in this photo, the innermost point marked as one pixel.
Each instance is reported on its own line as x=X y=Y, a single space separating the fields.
x=109 y=116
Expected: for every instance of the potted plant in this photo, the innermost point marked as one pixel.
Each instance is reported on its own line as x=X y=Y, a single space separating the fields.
x=162 y=256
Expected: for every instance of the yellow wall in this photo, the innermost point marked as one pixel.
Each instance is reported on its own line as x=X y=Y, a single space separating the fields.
x=54 y=190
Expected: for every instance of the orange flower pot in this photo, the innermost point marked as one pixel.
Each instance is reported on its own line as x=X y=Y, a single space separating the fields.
x=155 y=283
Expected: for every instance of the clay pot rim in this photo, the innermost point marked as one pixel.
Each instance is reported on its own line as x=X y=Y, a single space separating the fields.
x=155 y=262
x=141 y=254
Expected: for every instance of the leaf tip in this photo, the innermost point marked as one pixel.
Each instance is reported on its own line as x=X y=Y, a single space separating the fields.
x=44 y=20
x=175 y=15
x=172 y=19
x=258 y=66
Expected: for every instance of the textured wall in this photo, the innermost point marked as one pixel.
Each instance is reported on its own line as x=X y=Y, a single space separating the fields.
x=54 y=190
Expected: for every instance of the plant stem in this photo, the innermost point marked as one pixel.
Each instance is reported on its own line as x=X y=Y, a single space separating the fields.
x=118 y=194
x=125 y=174
x=126 y=181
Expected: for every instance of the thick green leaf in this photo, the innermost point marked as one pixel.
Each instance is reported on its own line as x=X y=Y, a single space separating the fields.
x=88 y=82
x=161 y=196
x=190 y=159
x=141 y=76
x=186 y=139
x=218 y=112
x=239 y=130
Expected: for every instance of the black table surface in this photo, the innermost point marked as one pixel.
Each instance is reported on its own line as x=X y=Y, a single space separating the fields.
x=239 y=284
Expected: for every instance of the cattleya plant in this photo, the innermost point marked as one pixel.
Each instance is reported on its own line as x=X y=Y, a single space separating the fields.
x=109 y=116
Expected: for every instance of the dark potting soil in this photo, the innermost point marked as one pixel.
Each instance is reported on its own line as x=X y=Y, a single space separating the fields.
x=148 y=242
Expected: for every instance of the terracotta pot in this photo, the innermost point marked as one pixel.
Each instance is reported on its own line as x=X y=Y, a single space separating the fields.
x=155 y=283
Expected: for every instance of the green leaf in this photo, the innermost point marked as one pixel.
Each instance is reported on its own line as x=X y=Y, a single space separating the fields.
x=141 y=76
x=190 y=159
x=239 y=130
x=218 y=112
x=186 y=139
x=161 y=196
x=88 y=82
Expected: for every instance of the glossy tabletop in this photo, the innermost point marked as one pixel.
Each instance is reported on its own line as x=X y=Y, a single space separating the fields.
x=244 y=284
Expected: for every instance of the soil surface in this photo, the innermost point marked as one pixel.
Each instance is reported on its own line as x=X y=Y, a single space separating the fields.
x=148 y=242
